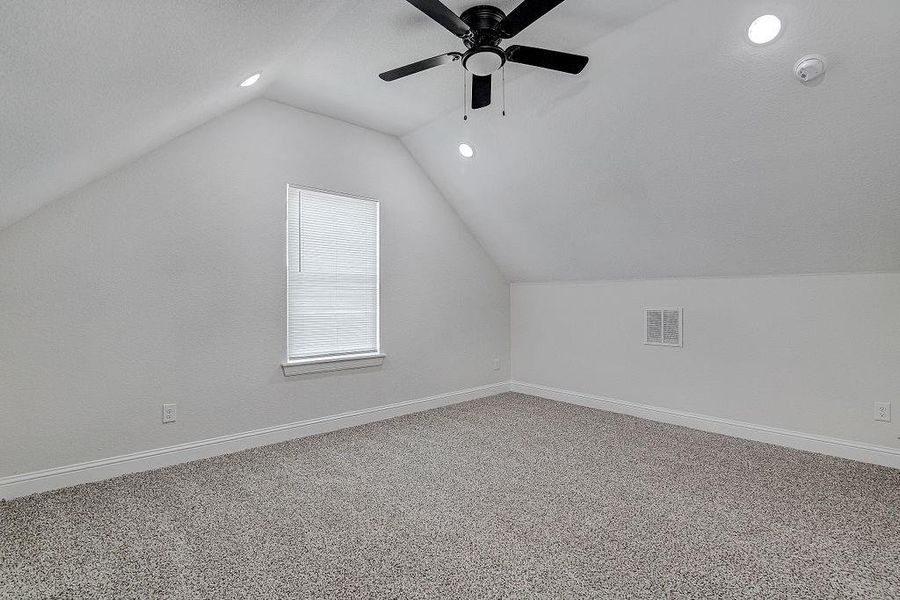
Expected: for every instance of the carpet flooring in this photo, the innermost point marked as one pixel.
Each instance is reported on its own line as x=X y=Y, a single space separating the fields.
x=506 y=497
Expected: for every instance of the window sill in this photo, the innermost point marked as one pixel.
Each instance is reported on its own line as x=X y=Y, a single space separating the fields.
x=331 y=363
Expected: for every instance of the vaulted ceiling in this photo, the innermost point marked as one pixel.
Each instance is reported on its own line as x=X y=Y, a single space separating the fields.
x=336 y=74
x=90 y=85
x=682 y=149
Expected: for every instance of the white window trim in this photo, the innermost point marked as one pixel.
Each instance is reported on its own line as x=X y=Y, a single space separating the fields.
x=337 y=362
x=331 y=363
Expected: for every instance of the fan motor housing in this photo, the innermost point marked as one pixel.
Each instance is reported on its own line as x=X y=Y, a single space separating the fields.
x=484 y=23
x=484 y=55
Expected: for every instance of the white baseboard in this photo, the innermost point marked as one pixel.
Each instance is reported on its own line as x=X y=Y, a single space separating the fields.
x=16 y=486
x=859 y=451
x=49 y=479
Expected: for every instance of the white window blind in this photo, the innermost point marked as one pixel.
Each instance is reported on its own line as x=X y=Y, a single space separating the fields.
x=332 y=274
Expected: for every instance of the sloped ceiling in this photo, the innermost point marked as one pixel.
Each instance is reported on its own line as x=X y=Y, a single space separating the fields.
x=89 y=85
x=336 y=74
x=683 y=150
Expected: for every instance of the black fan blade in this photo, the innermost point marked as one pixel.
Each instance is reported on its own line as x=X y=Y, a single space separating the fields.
x=547 y=59
x=481 y=91
x=525 y=14
x=428 y=63
x=443 y=15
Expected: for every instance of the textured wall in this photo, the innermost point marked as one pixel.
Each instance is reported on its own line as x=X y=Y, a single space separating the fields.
x=804 y=353
x=164 y=282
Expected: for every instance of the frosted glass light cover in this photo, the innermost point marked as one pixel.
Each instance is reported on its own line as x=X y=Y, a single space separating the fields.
x=764 y=29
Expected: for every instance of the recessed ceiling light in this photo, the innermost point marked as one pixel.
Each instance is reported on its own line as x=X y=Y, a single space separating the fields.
x=250 y=80
x=764 y=29
x=466 y=150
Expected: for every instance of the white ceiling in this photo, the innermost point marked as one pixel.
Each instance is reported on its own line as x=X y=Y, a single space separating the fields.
x=336 y=74
x=682 y=150
x=89 y=85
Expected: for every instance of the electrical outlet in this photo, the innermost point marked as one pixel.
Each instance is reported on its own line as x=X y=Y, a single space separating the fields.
x=883 y=411
x=169 y=413
x=496 y=364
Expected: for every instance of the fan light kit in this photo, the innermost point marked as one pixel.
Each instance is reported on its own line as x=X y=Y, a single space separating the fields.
x=466 y=150
x=764 y=29
x=481 y=29
x=251 y=80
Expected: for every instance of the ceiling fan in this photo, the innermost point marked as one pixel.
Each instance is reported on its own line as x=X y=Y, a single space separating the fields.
x=481 y=29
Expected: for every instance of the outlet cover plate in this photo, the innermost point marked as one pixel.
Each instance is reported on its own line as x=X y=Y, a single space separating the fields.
x=169 y=413
x=883 y=411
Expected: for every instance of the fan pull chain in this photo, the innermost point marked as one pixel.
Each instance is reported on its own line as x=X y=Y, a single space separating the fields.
x=503 y=78
x=465 y=104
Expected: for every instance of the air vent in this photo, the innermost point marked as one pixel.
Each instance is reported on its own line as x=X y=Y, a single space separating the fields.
x=663 y=326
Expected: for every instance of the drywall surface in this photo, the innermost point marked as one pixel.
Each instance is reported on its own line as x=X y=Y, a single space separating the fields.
x=810 y=354
x=90 y=86
x=165 y=282
x=682 y=150
x=326 y=77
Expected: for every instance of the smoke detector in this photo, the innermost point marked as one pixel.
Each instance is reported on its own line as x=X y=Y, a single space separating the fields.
x=809 y=67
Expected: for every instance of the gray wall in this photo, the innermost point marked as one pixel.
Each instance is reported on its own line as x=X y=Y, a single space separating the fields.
x=164 y=282
x=805 y=353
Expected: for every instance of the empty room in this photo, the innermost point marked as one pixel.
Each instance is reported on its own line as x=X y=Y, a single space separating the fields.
x=446 y=300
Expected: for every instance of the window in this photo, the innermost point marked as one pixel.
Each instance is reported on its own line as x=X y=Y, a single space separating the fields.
x=332 y=278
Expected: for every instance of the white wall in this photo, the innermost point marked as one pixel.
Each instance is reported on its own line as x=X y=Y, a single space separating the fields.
x=165 y=282
x=804 y=353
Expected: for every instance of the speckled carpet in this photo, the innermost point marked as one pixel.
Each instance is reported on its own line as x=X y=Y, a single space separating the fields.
x=506 y=497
